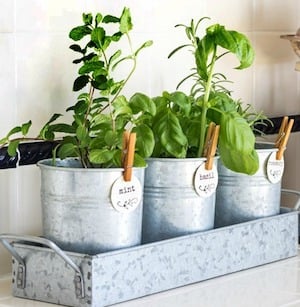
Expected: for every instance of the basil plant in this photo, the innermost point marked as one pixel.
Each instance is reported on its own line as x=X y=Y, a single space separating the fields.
x=181 y=122
x=101 y=113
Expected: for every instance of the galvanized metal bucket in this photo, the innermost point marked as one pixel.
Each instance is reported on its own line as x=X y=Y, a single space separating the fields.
x=78 y=214
x=172 y=206
x=241 y=198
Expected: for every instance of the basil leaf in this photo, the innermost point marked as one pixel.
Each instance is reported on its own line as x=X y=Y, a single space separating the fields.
x=144 y=141
x=236 y=144
x=167 y=129
x=141 y=103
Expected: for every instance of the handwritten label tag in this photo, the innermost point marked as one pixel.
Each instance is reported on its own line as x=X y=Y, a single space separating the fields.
x=205 y=181
x=126 y=195
x=275 y=168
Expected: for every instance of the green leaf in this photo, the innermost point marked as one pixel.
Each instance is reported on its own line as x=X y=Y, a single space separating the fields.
x=12 y=148
x=236 y=131
x=85 y=58
x=90 y=66
x=167 y=129
x=53 y=118
x=48 y=135
x=100 y=82
x=62 y=128
x=25 y=128
x=125 y=21
x=79 y=32
x=14 y=131
x=70 y=139
x=100 y=156
x=87 y=18
x=246 y=163
x=101 y=118
x=139 y=102
x=76 y=48
x=116 y=36
x=110 y=19
x=237 y=143
x=44 y=132
x=66 y=150
x=116 y=160
x=80 y=107
x=4 y=140
x=121 y=106
x=116 y=87
x=98 y=36
x=82 y=134
x=145 y=45
x=121 y=60
x=205 y=47
x=116 y=55
x=145 y=140
x=191 y=129
x=97 y=143
x=98 y=18
x=161 y=102
x=235 y=42
x=80 y=82
x=112 y=138
x=177 y=49
x=182 y=100
x=139 y=161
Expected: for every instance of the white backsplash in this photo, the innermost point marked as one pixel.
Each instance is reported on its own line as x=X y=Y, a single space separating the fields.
x=37 y=73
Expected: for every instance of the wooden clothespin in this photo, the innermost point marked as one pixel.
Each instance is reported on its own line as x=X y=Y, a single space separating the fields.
x=209 y=133
x=283 y=136
x=129 y=140
x=211 y=144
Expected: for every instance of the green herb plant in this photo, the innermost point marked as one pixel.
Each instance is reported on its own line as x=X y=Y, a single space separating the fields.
x=101 y=113
x=181 y=122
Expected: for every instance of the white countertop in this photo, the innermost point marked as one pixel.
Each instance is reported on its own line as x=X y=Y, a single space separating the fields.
x=270 y=285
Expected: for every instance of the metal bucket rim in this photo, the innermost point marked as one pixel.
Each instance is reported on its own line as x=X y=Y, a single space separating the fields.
x=180 y=160
x=46 y=164
x=271 y=147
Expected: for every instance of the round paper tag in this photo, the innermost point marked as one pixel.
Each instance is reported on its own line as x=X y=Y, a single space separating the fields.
x=126 y=195
x=205 y=181
x=274 y=168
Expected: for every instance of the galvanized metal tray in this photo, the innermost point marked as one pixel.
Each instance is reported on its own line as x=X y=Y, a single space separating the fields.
x=41 y=271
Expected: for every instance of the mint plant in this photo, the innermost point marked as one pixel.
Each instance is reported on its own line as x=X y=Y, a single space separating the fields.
x=181 y=120
x=101 y=113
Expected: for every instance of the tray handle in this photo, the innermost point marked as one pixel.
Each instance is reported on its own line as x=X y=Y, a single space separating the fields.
x=297 y=193
x=21 y=274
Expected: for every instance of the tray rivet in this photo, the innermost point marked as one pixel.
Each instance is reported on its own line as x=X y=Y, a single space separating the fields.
x=78 y=292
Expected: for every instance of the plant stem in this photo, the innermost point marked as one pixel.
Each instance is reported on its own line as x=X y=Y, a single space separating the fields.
x=22 y=139
x=133 y=57
x=208 y=86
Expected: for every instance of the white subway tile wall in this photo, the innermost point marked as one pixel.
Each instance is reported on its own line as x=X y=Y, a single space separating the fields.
x=37 y=73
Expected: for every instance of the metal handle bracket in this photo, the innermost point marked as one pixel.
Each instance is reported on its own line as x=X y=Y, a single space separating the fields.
x=21 y=273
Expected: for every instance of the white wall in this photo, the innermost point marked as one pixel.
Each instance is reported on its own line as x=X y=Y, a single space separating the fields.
x=36 y=72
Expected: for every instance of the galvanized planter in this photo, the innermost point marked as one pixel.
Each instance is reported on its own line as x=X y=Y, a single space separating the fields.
x=241 y=198
x=78 y=214
x=51 y=275
x=172 y=204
